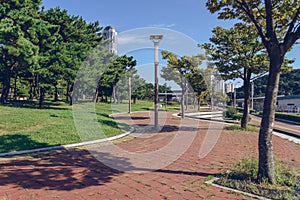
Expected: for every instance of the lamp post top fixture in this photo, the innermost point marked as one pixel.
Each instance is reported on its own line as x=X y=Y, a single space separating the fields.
x=156 y=38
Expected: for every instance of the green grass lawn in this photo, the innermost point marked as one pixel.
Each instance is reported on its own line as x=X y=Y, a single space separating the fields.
x=25 y=127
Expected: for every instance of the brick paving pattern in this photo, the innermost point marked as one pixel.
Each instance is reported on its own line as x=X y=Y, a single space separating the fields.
x=76 y=174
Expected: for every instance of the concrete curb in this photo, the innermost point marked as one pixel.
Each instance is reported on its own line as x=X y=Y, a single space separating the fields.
x=211 y=182
x=60 y=147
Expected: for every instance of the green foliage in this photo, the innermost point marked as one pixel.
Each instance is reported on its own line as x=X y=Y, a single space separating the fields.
x=18 y=38
x=242 y=109
x=186 y=73
x=243 y=176
x=237 y=116
x=277 y=24
x=26 y=127
x=288 y=116
x=289 y=84
x=250 y=128
x=235 y=51
x=113 y=79
x=230 y=112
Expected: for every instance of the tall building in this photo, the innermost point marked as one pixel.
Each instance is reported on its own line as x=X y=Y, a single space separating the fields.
x=110 y=35
x=229 y=87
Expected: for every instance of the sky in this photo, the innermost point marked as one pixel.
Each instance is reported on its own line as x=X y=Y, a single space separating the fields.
x=187 y=21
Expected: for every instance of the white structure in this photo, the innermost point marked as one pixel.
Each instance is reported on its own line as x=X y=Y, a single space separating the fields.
x=289 y=104
x=229 y=87
x=220 y=86
x=110 y=34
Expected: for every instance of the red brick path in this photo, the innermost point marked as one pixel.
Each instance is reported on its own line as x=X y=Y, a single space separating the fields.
x=75 y=174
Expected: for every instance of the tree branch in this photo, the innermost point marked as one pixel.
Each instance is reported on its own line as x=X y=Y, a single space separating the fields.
x=290 y=40
x=293 y=22
x=269 y=22
x=245 y=7
x=289 y=34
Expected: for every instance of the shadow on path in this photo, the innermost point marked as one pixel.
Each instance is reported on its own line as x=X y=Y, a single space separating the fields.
x=65 y=170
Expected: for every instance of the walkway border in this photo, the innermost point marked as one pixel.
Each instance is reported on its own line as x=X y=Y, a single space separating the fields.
x=60 y=147
x=211 y=182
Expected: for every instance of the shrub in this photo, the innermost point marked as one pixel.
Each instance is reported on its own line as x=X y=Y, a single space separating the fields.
x=230 y=112
x=288 y=116
x=242 y=110
x=237 y=116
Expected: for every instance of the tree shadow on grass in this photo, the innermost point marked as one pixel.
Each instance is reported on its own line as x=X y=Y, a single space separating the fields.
x=48 y=105
x=18 y=142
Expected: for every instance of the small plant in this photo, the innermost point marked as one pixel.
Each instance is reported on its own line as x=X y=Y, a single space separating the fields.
x=237 y=116
x=243 y=176
x=230 y=112
x=211 y=195
x=235 y=127
x=209 y=178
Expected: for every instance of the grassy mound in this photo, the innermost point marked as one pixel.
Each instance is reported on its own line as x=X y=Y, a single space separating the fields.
x=244 y=174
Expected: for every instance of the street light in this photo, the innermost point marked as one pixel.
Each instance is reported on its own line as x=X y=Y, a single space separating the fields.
x=234 y=93
x=156 y=39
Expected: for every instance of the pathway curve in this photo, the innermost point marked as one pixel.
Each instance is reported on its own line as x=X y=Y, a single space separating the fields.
x=76 y=174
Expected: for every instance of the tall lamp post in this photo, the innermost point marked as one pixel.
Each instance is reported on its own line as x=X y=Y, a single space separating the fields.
x=129 y=94
x=234 y=94
x=156 y=39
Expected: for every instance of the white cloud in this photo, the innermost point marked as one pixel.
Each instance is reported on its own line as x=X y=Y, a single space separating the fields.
x=129 y=39
x=163 y=25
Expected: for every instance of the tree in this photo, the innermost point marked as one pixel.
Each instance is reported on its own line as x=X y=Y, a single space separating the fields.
x=198 y=84
x=75 y=40
x=178 y=70
x=237 y=53
x=277 y=24
x=289 y=84
x=18 y=20
x=114 y=73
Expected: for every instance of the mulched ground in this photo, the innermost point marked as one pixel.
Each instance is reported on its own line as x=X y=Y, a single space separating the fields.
x=76 y=174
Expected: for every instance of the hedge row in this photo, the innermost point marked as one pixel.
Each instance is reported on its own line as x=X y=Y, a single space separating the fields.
x=242 y=110
x=288 y=116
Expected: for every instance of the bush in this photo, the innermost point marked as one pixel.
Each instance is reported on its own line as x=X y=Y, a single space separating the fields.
x=250 y=128
x=288 y=116
x=242 y=110
x=230 y=112
x=237 y=116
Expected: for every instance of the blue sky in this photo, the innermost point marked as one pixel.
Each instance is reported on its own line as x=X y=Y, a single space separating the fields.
x=189 y=17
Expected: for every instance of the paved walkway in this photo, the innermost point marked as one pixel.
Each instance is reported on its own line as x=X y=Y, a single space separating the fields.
x=76 y=174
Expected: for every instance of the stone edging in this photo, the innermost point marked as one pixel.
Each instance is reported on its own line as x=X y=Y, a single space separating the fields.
x=60 y=147
x=211 y=182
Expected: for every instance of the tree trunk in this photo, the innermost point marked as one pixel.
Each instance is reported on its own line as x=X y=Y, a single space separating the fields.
x=70 y=94
x=67 y=92
x=55 y=94
x=15 y=88
x=186 y=102
x=35 y=86
x=42 y=98
x=114 y=94
x=31 y=90
x=6 y=85
x=266 y=160
x=182 y=96
x=246 y=111
x=199 y=102
x=95 y=97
